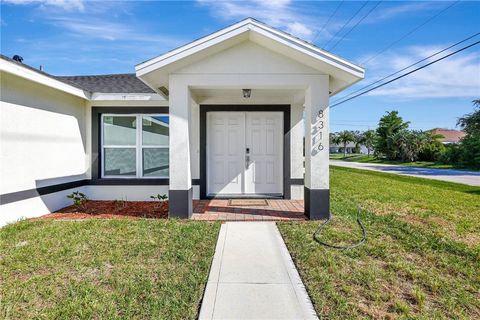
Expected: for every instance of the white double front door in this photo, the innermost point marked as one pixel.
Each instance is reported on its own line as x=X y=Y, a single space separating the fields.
x=244 y=153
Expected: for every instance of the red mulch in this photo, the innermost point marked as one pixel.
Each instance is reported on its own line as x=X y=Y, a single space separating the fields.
x=95 y=209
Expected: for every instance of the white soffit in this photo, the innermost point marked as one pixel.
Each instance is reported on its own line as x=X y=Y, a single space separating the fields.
x=154 y=72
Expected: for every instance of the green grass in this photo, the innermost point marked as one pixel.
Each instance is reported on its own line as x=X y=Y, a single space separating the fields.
x=422 y=255
x=129 y=269
x=363 y=158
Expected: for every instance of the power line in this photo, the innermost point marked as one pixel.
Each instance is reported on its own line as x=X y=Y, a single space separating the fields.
x=326 y=23
x=405 y=74
x=410 y=32
x=408 y=67
x=351 y=18
x=358 y=22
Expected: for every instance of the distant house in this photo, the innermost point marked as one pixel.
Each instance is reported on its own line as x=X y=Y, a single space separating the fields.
x=338 y=148
x=449 y=135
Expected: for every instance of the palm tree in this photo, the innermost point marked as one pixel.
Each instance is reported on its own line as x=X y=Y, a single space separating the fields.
x=357 y=139
x=368 y=140
x=344 y=138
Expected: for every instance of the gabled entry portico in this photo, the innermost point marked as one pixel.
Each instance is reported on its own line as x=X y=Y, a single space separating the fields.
x=232 y=145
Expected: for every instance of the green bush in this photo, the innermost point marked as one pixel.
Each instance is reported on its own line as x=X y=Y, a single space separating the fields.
x=450 y=154
x=470 y=151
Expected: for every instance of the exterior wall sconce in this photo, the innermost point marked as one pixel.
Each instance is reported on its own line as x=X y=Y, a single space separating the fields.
x=247 y=93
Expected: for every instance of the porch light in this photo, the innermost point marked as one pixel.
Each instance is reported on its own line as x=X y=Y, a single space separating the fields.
x=247 y=93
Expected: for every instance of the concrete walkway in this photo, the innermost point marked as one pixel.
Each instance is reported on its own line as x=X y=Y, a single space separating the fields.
x=471 y=178
x=253 y=276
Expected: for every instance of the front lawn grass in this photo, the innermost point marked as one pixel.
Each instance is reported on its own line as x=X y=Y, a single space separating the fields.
x=104 y=269
x=363 y=158
x=422 y=255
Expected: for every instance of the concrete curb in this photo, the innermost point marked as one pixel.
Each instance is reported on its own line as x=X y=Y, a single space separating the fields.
x=297 y=283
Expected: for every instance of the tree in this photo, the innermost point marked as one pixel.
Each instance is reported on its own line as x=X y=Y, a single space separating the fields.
x=357 y=139
x=368 y=140
x=433 y=147
x=389 y=125
x=407 y=144
x=470 y=123
x=470 y=144
x=344 y=138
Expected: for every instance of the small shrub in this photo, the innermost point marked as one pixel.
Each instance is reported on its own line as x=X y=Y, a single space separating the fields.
x=79 y=199
x=161 y=198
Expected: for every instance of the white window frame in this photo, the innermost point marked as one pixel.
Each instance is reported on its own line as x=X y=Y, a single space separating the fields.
x=138 y=145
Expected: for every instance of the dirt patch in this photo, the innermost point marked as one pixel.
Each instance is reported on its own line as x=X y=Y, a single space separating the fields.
x=95 y=209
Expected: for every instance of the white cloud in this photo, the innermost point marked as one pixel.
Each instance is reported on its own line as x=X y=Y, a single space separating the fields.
x=299 y=29
x=455 y=76
x=68 y=5
x=93 y=28
x=400 y=9
x=277 y=13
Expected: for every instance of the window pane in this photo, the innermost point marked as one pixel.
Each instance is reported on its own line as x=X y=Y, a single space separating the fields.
x=119 y=131
x=155 y=130
x=120 y=162
x=155 y=162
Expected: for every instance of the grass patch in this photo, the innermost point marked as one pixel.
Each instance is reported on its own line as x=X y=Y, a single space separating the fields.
x=363 y=158
x=421 y=258
x=104 y=269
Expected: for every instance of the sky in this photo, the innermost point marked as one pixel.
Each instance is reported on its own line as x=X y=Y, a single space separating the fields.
x=79 y=37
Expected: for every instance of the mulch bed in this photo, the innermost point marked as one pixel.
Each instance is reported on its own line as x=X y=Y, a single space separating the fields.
x=96 y=209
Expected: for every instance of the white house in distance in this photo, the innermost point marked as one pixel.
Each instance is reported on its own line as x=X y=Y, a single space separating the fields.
x=219 y=117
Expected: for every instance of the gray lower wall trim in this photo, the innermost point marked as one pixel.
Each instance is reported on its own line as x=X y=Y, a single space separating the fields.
x=286 y=109
x=297 y=182
x=129 y=182
x=317 y=203
x=180 y=204
x=96 y=139
x=40 y=191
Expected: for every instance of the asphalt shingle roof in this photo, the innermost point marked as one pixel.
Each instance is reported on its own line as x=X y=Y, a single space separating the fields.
x=109 y=83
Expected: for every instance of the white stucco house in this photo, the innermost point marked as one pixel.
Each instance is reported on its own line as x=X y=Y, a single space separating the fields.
x=222 y=116
x=338 y=148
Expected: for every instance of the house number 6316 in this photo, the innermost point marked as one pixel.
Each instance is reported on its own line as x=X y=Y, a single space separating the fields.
x=319 y=126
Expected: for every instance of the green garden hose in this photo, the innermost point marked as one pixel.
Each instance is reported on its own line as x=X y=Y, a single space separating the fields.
x=359 y=243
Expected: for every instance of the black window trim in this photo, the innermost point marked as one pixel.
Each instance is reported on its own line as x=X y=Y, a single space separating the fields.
x=96 y=146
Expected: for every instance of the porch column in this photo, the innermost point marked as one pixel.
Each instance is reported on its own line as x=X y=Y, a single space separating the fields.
x=180 y=184
x=317 y=186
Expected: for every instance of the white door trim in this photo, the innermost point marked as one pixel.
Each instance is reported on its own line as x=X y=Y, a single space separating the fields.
x=227 y=172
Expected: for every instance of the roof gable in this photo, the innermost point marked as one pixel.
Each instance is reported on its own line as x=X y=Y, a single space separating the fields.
x=342 y=72
x=247 y=57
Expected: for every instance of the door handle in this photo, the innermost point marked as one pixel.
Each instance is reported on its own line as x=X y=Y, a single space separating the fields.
x=247 y=162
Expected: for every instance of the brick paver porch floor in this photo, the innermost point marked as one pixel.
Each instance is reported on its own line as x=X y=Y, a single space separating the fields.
x=277 y=209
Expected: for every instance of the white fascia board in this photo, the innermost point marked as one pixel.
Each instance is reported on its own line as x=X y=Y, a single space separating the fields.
x=190 y=45
x=310 y=50
x=126 y=96
x=241 y=27
x=19 y=71
x=187 y=50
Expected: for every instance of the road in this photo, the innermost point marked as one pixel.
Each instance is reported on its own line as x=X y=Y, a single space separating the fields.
x=471 y=178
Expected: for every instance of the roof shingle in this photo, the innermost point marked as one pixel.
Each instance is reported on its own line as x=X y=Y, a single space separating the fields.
x=110 y=83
